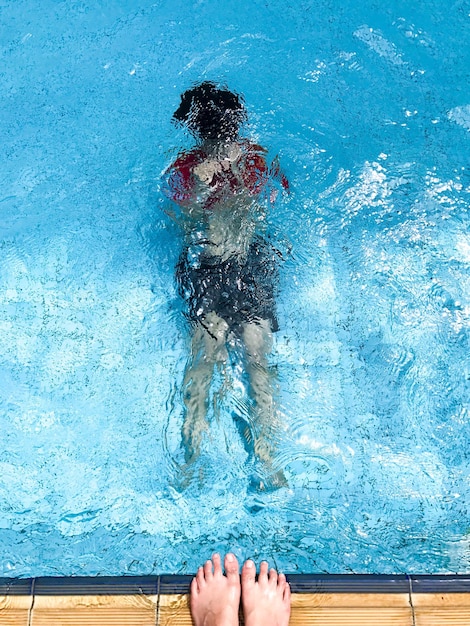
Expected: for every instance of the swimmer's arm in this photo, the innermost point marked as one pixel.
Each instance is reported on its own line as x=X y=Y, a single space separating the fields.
x=278 y=175
x=185 y=191
x=185 y=218
x=179 y=206
x=171 y=213
x=272 y=173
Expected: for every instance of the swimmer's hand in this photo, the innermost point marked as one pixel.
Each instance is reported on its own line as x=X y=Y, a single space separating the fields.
x=278 y=175
x=206 y=170
x=209 y=168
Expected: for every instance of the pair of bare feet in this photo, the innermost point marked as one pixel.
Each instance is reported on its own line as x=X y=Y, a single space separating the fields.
x=215 y=597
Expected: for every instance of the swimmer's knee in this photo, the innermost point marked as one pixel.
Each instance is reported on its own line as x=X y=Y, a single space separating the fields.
x=257 y=337
x=215 y=331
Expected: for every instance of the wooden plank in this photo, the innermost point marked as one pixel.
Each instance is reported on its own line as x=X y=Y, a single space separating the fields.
x=352 y=600
x=441 y=609
x=14 y=610
x=97 y=610
x=317 y=609
x=440 y=600
x=173 y=610
x=447 y=617
x=339 y=609
x=342 y=609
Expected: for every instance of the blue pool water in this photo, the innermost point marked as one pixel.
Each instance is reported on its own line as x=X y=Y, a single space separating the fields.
x=368 y=106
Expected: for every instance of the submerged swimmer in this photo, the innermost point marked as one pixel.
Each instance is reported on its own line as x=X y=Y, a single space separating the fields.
x=227 y=272
x=215 y=598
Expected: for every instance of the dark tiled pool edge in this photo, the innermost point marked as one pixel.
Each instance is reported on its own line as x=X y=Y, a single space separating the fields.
x=176 y=584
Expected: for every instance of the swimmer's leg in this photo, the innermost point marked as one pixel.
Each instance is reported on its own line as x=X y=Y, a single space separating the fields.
x=207 y=348
x=257 y=341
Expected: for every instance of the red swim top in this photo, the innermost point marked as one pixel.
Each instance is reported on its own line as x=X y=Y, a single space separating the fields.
x=251 y=165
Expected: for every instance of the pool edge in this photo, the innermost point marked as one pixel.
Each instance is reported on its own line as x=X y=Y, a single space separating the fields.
x=317 y=599
x=170 y=584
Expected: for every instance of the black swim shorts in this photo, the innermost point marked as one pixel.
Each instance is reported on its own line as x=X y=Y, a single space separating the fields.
x=239 y=291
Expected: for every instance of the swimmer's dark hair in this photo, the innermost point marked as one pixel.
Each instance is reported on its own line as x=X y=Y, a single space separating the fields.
x=211 y=112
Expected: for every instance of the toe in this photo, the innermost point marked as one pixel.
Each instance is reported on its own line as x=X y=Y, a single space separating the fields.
x=194 y=587
x=217 y=564
x=272 y=577
x=200 y=578
x=248 y=574
x=231 y=568
x=208 y=570
x=286 y=595
x=263 y=572
x=281 y=580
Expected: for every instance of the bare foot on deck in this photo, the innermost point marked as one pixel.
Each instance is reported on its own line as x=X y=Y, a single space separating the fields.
x=266 y=602
x=215 y=598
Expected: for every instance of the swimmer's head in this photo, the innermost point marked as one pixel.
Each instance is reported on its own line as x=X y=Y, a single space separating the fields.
x=211 y=113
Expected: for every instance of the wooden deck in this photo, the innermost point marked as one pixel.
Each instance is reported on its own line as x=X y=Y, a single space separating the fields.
x=163 y=601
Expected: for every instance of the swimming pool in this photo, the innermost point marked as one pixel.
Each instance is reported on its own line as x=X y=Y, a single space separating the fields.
x=368 y=107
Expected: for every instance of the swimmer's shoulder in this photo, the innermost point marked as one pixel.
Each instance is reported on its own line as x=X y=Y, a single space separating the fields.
x=251 y=147
x=186 y=161
x=179 y=180
x=256 y=162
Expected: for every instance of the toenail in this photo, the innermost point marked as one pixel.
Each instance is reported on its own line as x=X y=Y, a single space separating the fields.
x=249 y=564
x=230 y=557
